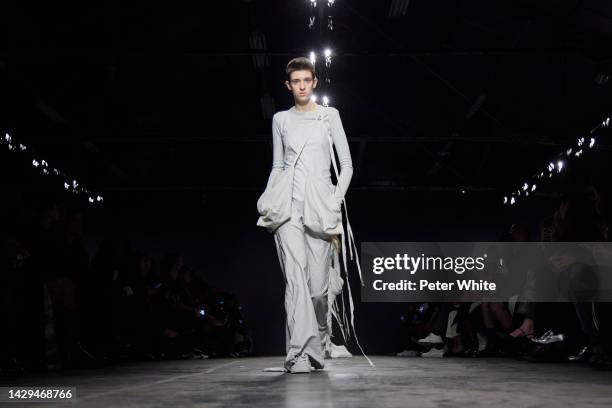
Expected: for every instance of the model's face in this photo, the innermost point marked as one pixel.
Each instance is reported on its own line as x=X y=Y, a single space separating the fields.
x=301 y=85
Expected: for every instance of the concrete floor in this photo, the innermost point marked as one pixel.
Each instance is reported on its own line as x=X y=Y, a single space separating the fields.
x=395 y=382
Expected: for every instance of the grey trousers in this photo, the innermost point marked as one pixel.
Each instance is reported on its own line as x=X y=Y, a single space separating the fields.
x=305 y=261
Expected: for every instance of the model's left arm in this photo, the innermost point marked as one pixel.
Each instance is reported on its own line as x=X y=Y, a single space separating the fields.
x=344 y=154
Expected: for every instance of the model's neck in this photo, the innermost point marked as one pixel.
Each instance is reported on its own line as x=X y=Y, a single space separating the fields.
x=308 y=107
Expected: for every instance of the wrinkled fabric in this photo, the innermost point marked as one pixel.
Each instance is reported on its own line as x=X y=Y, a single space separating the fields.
x=305 y=260
x=291 y=127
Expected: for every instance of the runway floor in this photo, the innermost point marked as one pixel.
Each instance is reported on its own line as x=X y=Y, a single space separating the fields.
x=395 y=382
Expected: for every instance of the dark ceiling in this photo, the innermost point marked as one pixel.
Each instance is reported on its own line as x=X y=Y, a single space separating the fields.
x=167 y=97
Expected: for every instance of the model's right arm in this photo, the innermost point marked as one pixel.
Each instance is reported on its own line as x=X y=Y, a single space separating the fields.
x=277 y=148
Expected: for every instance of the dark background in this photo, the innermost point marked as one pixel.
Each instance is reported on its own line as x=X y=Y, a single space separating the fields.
x=166 y=110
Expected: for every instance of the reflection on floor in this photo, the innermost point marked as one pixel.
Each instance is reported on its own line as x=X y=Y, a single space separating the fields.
x=395 y=382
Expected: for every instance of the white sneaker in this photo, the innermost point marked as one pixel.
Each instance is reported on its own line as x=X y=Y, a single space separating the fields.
x=431 y=339
x=434 y=352
x=327 y=350
x=340 y=352
x=300 y=364
x=408 y=353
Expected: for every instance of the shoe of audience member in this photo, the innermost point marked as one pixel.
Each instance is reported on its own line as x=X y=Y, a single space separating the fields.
x=408 y=353
x=431 y=339
x=597 y=355
x=199 y=353
x=462 y=353
x=300 y=364
x=187 y=355
x=582 y=355
x=433 y=353
x=487 y=352
x=82 y=358
x=601 y=361
x=548 y=338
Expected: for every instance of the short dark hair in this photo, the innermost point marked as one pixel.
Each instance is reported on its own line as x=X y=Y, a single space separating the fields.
x=299 y=64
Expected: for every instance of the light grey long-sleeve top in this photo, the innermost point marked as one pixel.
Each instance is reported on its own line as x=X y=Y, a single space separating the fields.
x=289 y=130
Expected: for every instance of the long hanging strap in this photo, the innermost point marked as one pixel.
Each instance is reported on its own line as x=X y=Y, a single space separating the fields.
x=351 y=244
x=348 y=224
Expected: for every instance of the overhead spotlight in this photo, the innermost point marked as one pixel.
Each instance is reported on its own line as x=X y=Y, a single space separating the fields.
x=311 y=22
x=512 y=200
x=578 y=153
x=559 y=166
x=592 y=142
x=398 y=8
x=7 y=137
x=325 y=101
x=313 y=97
x=533 y=187
x=580 y=141
x=525 y=186
x=505 y=199
x=328 y=59
x=330 y=3
x=66 y=186
x=569 y=151
x=35 y=163
x=313 y=57
x=99 y=199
